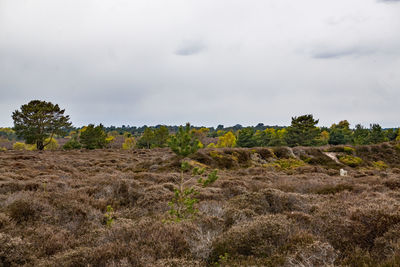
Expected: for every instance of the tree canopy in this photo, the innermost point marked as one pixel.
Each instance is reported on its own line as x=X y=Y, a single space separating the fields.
x=38 y=121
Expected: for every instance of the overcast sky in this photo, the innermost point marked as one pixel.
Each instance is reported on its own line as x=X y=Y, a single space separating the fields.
x=208 y=62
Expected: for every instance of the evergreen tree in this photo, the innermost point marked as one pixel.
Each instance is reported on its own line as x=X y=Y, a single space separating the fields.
x=246 y=138
x=377 y=135
x=38 y=121
x=161 y=136
x=147 y=140
x=340 y=133
x=360 y=135
x=302 y=131
x=184 y=143
x=92 y=137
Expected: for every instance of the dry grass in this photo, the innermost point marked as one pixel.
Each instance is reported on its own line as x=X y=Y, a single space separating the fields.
x=52 y=207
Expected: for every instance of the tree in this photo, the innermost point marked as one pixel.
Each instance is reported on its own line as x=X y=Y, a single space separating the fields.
x=360 y=135
x=161 y=136
x=227 y=140
x=246 y=138
x=147 y=139
x=377 y=135
x=184 y=143
x=93 y=137
x=38 y=121
x=302 y=131
x=340 y=133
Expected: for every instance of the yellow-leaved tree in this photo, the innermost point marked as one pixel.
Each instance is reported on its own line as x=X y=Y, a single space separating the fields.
x=227 y=140
x=129 y=143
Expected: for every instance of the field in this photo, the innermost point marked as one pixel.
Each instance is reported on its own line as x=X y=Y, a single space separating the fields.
x=269 y=207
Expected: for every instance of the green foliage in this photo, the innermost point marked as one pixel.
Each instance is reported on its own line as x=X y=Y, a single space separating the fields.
x=360 y=135
x=340 y=134
x=348 y=150
x=351 y=161
x=73 y=143
x=322 y=139
x=92 y=137
x=3 y=149
x=39 y=120
x=211 y=178
x=302 y=131
x=129 y=143
x=182 y=205
x=183 y=143
x=222 y=260
x=8 y=134
x=377 y=135
x=147 y=139
x=246 y=138
x=380 y=165
x=161 y=137
x=109 y=216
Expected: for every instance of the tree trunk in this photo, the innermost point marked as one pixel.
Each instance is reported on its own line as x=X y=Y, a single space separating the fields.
x=39 y=145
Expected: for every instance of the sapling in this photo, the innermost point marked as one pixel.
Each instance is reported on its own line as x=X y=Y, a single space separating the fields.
x=182 y=205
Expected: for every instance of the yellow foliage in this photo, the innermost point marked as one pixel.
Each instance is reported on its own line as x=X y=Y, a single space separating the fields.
x=3 y=149
x=129 y=143
x=30 y=147
x=325 y=136
x=211 y=145
x=200 y=145
x=227 y=140
x=52 y=144
x=19 y=146
x=109 y=139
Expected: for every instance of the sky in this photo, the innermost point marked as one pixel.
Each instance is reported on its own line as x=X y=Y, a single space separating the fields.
x=208 y=62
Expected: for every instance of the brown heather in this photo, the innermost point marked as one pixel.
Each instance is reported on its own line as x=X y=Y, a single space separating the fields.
x=258 y=213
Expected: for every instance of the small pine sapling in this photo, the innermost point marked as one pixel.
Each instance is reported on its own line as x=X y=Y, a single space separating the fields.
x=182 y=205
x=109 y=215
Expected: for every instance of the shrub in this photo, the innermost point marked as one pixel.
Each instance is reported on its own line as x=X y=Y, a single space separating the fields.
x=351 y=161
x=184 y=143
x=21 y=211
x=380 y=165
x=19 y=146
x=227 y=140
x=287 y=164
x=93 y=137
x=3 y=149
x=72 y=144
x=348 y=150
x=52 y=144
x=129 y=143
x=262 y=237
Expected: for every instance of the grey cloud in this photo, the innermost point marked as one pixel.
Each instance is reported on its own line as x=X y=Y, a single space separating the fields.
x=389 y=1
x=188 y=48
x=331 y=53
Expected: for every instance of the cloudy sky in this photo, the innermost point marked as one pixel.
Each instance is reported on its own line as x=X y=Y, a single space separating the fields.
x=205 y=61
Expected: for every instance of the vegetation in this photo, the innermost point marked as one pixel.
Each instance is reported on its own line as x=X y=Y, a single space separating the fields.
x=303 y=131
x=184 y=143
x=92 y=137
x=38 y=121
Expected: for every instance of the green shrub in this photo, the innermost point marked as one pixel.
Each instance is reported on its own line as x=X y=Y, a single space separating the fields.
x=380 y=165
x=351 y=161
x=348 y=150
x=72 y=144
x=93 y=137
x=287 y=164
x=184 y=143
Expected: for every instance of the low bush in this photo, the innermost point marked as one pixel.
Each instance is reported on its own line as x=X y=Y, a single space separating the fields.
x=351 y=161
x=380 y=165
x=19 y=146
x=21 y=210
x=72 y=144
x=334 y=189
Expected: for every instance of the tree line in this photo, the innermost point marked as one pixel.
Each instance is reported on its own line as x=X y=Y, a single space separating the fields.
x=40 y=122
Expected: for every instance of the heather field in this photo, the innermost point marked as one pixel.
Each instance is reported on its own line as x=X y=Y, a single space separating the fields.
x=269 y=207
